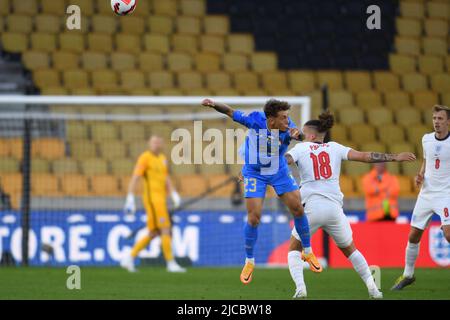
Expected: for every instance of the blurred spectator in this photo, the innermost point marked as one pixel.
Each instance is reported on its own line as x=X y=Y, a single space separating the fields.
x=381 y=190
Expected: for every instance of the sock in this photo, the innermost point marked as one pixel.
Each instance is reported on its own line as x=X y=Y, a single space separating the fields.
x=361 y=266
x=166 y=244
x=412 y=251
x=250 y=235
x=141 y=244
x=295 y=263
x=302 y=227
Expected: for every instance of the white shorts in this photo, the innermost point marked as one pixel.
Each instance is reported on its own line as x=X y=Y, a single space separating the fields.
x=425 y=206
x=328 y=215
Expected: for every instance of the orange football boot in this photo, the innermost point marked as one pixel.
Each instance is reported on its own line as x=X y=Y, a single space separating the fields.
x=247 y=273
x=314 y=264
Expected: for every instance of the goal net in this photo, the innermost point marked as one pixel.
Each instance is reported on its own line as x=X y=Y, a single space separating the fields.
x=65 y=166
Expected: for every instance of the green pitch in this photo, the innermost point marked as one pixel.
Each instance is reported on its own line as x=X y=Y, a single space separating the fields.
x=209 y=284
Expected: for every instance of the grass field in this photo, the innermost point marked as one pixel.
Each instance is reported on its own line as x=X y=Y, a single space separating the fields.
x=210 y=284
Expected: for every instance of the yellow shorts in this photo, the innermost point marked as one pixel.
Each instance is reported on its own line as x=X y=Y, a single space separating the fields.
x=157 y=213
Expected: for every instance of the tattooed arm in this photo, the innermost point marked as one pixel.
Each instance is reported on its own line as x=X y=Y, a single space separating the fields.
x=220 y=107
x=373 y=157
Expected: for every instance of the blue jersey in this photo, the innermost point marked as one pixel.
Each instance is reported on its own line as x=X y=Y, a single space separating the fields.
x=264 y=150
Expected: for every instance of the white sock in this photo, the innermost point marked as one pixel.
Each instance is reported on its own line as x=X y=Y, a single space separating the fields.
x=251 y=260
x=295 y=263
x=412 y=251
x=307 y=250
x=361 y=266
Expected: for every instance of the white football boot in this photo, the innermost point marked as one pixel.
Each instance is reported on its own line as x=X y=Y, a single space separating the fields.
x=374 y=293
x=172 y=266
x=127 y=263
x=300 y=293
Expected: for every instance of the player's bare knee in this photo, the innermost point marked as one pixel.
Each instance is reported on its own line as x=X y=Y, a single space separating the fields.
x=414 y=235
x=297 y=211
x=253 y=220
x=295 y=245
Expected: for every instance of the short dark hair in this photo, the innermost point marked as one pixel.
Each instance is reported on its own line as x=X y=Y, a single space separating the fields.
x=324 y=123
x=273 y=106
x=438 y=108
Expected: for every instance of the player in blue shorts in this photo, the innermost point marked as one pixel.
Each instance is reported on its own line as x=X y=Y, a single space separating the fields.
x=268 y=138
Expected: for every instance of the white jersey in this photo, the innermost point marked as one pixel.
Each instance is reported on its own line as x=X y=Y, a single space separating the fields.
x=319 y=167
x=437 y=170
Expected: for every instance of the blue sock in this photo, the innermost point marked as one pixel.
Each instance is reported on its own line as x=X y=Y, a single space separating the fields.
x=250 y=235
x=302 y=227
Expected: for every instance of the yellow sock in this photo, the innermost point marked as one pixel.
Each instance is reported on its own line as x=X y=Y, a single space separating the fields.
x=166 y=243
x=141 y=244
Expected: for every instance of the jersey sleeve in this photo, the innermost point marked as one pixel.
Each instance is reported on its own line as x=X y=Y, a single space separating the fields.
x=246 y=120
x=342 y=150
x=141 y=165
x=295 y=152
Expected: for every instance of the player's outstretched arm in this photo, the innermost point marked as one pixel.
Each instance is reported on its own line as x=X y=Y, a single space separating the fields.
x=373 y=157
x=220 y=107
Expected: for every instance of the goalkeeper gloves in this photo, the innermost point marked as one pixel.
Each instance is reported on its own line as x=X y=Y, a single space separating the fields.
x=176 y=199
x=130 y=205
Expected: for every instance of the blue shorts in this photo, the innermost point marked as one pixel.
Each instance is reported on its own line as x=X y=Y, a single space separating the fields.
x=255 y=184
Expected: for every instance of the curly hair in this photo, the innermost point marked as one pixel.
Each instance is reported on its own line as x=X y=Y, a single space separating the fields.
x=273 y=106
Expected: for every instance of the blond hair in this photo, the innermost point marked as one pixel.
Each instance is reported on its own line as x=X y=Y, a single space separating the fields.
x=439 y=107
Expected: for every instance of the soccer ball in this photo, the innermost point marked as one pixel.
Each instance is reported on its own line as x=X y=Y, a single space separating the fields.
x=123 y=7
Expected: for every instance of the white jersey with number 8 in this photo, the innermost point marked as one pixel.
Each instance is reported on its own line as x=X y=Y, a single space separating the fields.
x=319 y=167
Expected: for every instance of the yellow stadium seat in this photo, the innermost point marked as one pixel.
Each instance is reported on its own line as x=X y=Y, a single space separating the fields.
x=386 y=81
x=213 y=169
x=104 y=79
x=190 y=80
x=83 y=149
x=195 y=8
x=264 y=61
x=407 y=45
x=362 y=133
x=425 y=99
x=188 y=25
x=93 y=60
x=397 y=99
x=157 y=43
x=149 y=61
x=40 y=166
x=302 y=81
x=401 y=64
x=406 y=189
x=93 y=109
x=122 y=166
x=393 y=168
x=86 y=6
x=124 y=182
x=217 y=179
x=104 y=131
x=246 y=81
x=339 y=133
x=185 y=43
x=160 y=24
x=241 y=43
x=112 y=149
x=167 y=7
x=207 y=62
x=368 y=99
x=132 y=79
x=440 y=10
x=76 y=130
x=235 y=62
x=391 y=133
x=379 y=116
x=347 y=186
x=333 y=79
x=401 y=147
x=130 y=43
x=132 y=25
x=105 y=185
x=357 y=81
x=64 y=60
x=43 y=184
x=36 y=60
x=94 y=166
x=351 y=115
x=19 y=23
x=218 y=80
x=132 y=132
x=410 y=9
x=73 y=42
x=212 y=44
x=431 y=64
x=46 y=78
x=100 y=42
x=5 y=148
x=373 y=147
x=177 y=62
x=436 y=28
x=274 y=81
x=75 y=79
x=106 y=24
x=28 y=7
x=54 y=91
x=48 y=148
x=64 y=166
x=5 y=7
x=216 y=25
x=411 y=168
x=355 y=169
x=434 y=46
x=16 y=147
x=14 y=42
x=446 y=99
x=122 y=61
x=440 y=82
x=53 y=7
x=43 y=42
x=161 y=80
x=340 y=99
x=413 y=82
x=11 y=183
x=9 y=165
x=416 y=132
x=407 y=116
x=74 y=185
x=409 y=27
x=192 y=185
